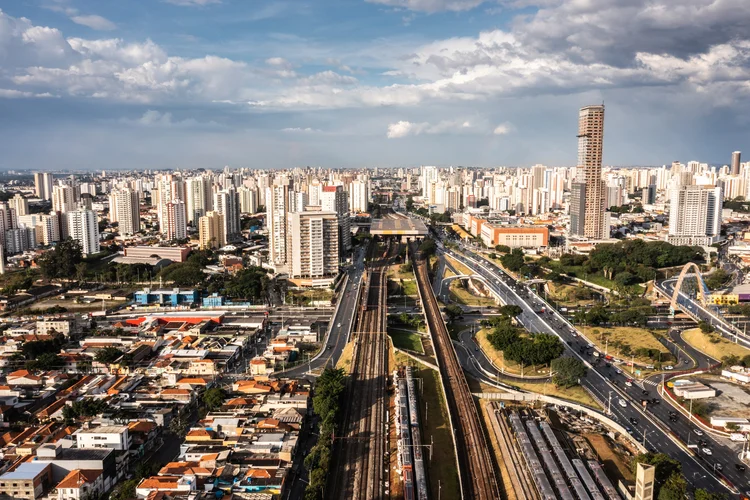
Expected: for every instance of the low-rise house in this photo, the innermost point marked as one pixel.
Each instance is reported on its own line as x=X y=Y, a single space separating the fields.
x=27 y=482
x=115 y=437
x=80 y=485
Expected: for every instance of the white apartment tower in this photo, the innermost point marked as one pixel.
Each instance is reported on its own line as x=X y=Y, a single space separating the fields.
x=20 y=204
x=359 y=195
x=199 y=198
x=43 y=182
x=64 y=199
x=175 y=221
x=124 y=209
x=314 y=251
x=276 y=199
x=695 y=215
x=227 y=203
x=248 y=200
x=84 y=228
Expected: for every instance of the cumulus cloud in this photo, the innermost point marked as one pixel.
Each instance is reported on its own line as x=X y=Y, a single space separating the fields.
x=404 y=128
x=563 y=48
x=306 y=130
x=431 y=6
x=503 y=129
x=94 y=22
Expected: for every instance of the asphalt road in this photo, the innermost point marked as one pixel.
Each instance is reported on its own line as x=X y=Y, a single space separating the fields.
x=609 y=386
x=341 y=325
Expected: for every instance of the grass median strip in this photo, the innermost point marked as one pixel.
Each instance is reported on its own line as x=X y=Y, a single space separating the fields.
x=713 y=344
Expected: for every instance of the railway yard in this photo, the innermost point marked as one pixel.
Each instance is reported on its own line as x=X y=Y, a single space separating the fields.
x=361 y=450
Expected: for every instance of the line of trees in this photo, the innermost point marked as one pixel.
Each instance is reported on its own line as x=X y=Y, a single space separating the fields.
x=327 y=405
x=525 y=349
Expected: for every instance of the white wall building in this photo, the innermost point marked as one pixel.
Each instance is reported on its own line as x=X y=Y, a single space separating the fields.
x=84 y=228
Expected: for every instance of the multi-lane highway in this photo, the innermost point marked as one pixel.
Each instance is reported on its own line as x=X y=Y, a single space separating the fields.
x=341 y=324
x=650 y=424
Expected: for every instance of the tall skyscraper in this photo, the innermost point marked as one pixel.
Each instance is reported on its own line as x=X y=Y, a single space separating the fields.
x=84 y=228
x=227 y=203
x=589 y=170
x=211 y=230
x=124 y=209
x=736 y=163
x=43 y=182
x=314 y=249
x=248 y=200
x=694 y=215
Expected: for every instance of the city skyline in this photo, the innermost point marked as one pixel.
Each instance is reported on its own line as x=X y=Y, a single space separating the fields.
x=189 y=84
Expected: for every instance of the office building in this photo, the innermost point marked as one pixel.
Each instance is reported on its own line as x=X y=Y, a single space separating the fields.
x=314 y=251
x=43 y=182
x=124 y=210
x=84 y=228
x=211 y=230
x=695 y=215
x=589 y=171
x=735 y=169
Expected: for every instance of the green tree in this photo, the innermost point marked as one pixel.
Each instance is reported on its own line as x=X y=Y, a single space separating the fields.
x=45 y=362
x=251 y=283
x=567 y=371
x=428 y=247
x=705 y=327
x=666 y=466
x=453 y=312
x=675 y=488
x=701 y=494
x=502 y=248
x=61 y=261
x=510 y=310
x=108 y=355
x=125 y=490
x=213 y=398
x=514 y=260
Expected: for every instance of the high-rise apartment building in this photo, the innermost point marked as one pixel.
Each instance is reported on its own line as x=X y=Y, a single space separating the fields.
x=20 y=204
x=124 y=209
x=694 y=215
x=248 y=200
x=736 y=163
x=314 y=251
x=175 y=221
x=64 y=199
x=84 y=228
x=334 y=199
x=43 y=182
x=577 y=207
x=211 y=230
x=359 y=195
x=199 y=197
x=589 y=170
x=227 y=203
x=276 y=202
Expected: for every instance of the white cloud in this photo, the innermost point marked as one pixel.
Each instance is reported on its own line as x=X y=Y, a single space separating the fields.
x=18 y=94
x=192 y=3
x=404 y=128
x=431 y=6
x=306 y=130
x=503 y=129
x=94 y=22
x=158 y=119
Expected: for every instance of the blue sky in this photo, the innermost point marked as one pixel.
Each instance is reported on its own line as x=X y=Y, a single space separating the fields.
x=207 y=83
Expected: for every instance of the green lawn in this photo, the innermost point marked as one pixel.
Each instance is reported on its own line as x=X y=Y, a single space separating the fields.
x=404 y=339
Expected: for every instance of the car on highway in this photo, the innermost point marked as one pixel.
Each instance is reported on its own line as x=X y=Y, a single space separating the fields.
x=698 y=432
x=622 y=403
x=706 y=451
x=629 y=383
x=740 y=467
x=619 y=372
x=655 y=401
x=644 y=392
x=338 y=326
x=634 y=421
x=669 y=367
x=718 y=467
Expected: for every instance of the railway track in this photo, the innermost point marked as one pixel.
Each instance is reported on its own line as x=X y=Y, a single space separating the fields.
x=476 y=469
x=361 y=447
